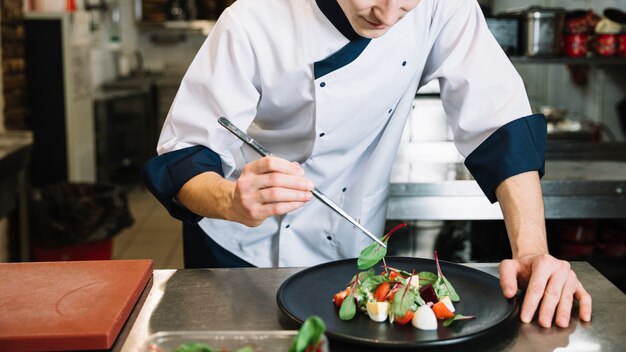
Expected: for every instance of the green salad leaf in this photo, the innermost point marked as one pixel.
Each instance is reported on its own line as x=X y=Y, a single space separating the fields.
x=402 y=301
x=374 y=253
x=201 y=347
x=427 y=277
x=443 y=286
x=449 y=321
x=371 y=255
x=194 y=347
x=348 y=307
x=372 y=282
x=362 y=276
x=245 y=349
x=309 y=335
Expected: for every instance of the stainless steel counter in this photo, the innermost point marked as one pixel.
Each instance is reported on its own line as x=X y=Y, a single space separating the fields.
x=582 y=180
x=245 y=299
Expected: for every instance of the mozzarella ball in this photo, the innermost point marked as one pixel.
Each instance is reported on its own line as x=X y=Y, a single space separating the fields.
x=424 y=318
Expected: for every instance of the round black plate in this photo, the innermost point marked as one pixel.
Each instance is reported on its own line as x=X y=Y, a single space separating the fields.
x=310 y=292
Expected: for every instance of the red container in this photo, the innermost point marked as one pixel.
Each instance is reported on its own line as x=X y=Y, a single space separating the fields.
x=99 y=250
x=576 y=45
x=70 y=5
x=580 y=21
x=621 y=45
x=606 y=44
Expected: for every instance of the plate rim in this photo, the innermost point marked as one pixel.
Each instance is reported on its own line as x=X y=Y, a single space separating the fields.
x=399 y=344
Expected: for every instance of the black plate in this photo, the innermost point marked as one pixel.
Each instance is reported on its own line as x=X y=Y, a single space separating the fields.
x=310 y=292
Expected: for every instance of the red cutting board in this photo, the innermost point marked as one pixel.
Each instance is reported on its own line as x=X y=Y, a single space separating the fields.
x=61 y=306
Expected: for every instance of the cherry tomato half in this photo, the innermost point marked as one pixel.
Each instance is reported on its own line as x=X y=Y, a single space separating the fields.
x=340 y=296
x=382 y=291
x=405 y=318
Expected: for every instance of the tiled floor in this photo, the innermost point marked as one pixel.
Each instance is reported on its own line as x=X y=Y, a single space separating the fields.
x=154 y=235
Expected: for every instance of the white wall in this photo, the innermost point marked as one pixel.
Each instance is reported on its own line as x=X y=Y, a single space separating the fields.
x=552 y=84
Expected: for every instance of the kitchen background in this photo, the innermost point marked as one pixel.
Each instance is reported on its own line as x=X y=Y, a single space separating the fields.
x=107 y=80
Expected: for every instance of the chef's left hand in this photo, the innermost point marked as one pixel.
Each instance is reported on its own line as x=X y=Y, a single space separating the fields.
x=548 y=281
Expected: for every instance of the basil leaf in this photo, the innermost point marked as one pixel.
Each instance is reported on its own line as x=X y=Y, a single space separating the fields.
x=371 y=255
x=402 y=301
x=348 y=307
x=309 y=335
x=449 y=321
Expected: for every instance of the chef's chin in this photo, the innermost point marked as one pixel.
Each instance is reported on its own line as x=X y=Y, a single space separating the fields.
x=371 y=33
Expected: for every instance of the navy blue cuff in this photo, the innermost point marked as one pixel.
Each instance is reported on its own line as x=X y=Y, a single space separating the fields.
x=164 y=175
x=516 y=147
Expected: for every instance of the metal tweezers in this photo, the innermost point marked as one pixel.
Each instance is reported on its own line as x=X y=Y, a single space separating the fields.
x=316 y=192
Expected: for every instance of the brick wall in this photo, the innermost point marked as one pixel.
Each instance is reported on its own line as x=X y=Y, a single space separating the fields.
x=13 y=67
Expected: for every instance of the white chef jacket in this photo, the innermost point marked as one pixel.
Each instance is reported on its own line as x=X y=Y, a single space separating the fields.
x=343 y=124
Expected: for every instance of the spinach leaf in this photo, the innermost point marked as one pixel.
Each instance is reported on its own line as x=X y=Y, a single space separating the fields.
x=449 y=321
x=374 y=253
x=454 y=297
x=440 y=288
x=427 y=277
x=348 y=307
x=245 y=349
x=418 y=300
x=371 y=255
x=443 y=282
x=402 y=301
x=310 y=334
x=371 y=283
x=363 y=275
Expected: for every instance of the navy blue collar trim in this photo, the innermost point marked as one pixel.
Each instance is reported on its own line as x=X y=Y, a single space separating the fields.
x=335 y=15
x=341 y=58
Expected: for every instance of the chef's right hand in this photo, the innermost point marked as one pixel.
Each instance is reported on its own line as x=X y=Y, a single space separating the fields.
x=267 y=187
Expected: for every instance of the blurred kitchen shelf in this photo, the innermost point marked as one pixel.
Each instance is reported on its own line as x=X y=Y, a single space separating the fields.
x=593 y=61
x=201 y=26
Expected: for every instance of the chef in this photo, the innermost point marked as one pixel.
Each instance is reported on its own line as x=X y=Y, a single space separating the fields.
x=327 y=86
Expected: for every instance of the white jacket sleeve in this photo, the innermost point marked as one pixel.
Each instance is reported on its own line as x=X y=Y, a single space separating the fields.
x=222 y=80
x=480 y=89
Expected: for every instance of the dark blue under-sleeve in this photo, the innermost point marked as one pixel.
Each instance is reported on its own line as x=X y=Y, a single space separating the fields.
x=516 y=147
x=164 y=175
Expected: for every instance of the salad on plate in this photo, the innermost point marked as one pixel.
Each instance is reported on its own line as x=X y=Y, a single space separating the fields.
x=398 y=296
